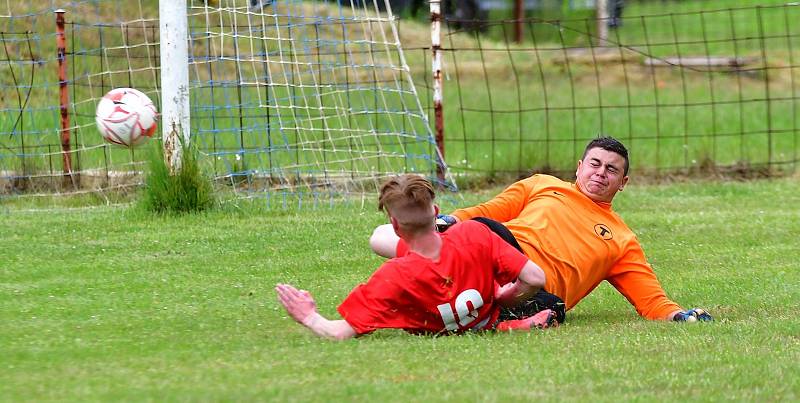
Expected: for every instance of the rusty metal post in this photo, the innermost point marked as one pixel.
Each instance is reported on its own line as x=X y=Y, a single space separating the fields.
x=438 y=90
x=519 y=14
x=61 y=49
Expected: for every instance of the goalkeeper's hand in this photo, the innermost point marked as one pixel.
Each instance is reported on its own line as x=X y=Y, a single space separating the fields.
x=444 y=221
x=692 y=315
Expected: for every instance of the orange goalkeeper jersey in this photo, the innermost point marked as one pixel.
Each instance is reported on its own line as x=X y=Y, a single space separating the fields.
x=576 y=241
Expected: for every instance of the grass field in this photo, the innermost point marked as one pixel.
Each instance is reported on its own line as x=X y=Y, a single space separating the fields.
x=114 y=304
x=102 y=303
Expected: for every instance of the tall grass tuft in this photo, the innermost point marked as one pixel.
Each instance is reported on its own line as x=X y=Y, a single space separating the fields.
x=189 y=191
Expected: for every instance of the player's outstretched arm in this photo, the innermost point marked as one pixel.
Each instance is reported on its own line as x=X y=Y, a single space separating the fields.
x=301 y=307
x=384 y=241
x=692 y=315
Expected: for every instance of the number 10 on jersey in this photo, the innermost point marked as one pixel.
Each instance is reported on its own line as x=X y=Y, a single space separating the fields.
x=465 y=314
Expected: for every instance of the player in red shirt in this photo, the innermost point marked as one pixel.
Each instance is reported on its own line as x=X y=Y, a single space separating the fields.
x=446 y=283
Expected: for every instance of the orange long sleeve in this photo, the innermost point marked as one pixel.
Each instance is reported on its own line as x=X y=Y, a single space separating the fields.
x=576 y=241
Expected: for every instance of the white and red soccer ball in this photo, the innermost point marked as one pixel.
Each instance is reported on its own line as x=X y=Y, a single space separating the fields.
x=126 y=117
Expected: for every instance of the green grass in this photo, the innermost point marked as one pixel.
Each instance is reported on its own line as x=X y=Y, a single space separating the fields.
x=189 y=190
x=116 y=304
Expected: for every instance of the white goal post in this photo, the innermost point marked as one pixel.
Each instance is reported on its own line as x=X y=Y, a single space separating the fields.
x=175 y=126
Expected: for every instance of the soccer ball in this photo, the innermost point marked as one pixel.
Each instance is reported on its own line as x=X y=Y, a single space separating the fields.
x=126 y=117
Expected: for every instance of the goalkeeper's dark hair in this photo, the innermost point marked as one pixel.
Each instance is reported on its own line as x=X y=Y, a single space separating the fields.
x=408 y=198
x=609 y=144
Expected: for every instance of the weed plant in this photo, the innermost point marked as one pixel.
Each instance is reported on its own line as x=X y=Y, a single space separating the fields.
x=189 y=190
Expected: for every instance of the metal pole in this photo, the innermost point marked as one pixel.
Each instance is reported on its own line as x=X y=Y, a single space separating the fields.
x=174 y=79
x=519 y=14
x=602 y=22
x=61 y=49
x=438 y=90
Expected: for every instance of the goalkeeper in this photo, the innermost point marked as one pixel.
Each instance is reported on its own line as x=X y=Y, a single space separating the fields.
x=572 y=233
x=444 y=283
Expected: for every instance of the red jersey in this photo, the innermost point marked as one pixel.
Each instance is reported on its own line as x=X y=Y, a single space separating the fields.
x=454 y=293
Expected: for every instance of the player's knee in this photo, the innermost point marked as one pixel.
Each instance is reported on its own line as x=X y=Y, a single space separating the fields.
x=534 y=276
x=539 y=279
x=384 y=241
x=375 y=238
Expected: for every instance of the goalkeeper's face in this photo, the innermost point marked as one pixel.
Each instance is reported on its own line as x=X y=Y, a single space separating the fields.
x=600 y=174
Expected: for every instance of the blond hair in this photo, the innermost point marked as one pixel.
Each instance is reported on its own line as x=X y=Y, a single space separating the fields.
x=409 y=199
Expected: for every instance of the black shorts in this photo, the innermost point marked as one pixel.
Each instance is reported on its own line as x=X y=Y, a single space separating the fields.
x=542 y=300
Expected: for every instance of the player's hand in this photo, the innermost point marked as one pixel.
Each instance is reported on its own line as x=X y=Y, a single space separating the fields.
x=444 y=221
x=298 y=303
x=693 y=315
x=503 y=290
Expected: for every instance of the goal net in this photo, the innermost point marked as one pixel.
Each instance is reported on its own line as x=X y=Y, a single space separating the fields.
x=305 y=94
x=286 y=96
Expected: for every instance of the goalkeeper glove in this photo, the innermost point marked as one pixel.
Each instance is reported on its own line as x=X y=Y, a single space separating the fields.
x=444 y=221
x=692 y=315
